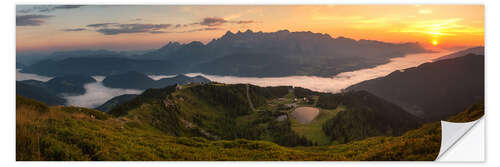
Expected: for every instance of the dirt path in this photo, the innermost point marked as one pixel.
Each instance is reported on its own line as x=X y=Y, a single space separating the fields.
x=248 y=98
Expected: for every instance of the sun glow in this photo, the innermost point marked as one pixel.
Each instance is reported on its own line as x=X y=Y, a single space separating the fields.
x=435 y=42
x=458 y=25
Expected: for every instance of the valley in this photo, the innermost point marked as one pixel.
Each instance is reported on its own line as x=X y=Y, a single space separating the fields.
x=98 y=93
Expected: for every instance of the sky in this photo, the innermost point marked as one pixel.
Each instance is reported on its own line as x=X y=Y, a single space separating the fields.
x=143 y=27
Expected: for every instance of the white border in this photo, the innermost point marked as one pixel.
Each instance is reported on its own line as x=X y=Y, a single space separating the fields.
x=7 y=143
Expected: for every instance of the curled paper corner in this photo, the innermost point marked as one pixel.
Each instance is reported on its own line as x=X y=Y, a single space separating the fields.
x=451 y=133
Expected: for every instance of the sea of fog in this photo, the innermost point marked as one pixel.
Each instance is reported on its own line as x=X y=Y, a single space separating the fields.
x=25 y=76
x=335 y=83
x=96 y=93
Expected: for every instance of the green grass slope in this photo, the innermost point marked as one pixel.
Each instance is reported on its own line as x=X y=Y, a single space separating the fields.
x=213 y=111
x=365 y=115
x=314 y=130
x=72 y=133
x=433 y=91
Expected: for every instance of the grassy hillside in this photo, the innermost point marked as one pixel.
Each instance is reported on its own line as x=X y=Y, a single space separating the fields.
x=365 y=115
x=314 y=130
x=472 y=113
x=71 y=133
x=111 y=103
x=432 y=91
x=213 y=111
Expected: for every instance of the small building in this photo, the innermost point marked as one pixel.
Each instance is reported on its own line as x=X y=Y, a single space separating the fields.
x=282 y=118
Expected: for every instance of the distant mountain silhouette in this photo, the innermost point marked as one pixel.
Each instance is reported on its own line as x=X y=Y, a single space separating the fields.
x=99 y=66
x=19 y=65
x=129 y=80
x=475 y=50
x=137 y=80
x=433 y=91
x=280 y=53
x=68 y=84
x=38 y=93
x=59 y=55
x=181 y=79
x=256 y=54
x=34 y=57
x=158 y=54
x=248 y=53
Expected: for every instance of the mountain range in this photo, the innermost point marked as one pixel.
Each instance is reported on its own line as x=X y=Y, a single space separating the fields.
x=67 y=84
x=51 y=92
x=256 y=54
x=38 y=93
x=29 y=58
x=99 y=66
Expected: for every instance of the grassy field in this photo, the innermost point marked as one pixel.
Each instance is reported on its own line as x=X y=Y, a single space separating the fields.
x=313 y=131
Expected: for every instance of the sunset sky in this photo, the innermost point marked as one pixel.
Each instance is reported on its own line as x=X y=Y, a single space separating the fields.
x=136 y=27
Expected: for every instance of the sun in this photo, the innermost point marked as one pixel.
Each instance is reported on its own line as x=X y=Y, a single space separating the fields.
x=434 y=42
